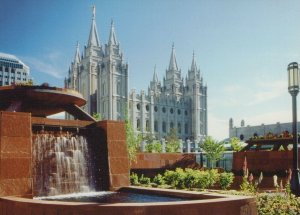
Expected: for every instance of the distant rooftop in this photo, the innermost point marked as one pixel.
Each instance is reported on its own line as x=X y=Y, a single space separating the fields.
x=11 y=59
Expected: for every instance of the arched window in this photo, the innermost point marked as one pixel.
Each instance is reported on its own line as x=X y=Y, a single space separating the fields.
x=119 y=88
x=171 y=125
x=155 y=126
x=171 y=110
x=179 y=128
x=186 y=128
x=164 y=127
x=103 y=89
x=138 y=124
x=147 y=125
x=119 y=106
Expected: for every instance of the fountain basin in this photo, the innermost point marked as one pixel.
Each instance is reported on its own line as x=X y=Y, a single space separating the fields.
x=196 y=203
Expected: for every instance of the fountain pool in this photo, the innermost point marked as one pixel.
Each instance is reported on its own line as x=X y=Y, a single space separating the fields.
x=39 y=157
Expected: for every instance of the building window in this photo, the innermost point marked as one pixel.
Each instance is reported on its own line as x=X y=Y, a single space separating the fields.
x=138 y=106
x=178 y=111
x=171 y=110
x=119 y=88
x=179 y=128
x=138 y=124
x=103 y=89
x=164 y=127
x=155 y=126
x=186 y=113
x=186 y=128
x=147 y=125
x=163 y=109
x=171 y=125
x=147 y=107
x=118 y=106
x=155 y=108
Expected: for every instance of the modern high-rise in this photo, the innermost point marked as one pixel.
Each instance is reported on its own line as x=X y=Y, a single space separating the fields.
x=12 y=70
x=101 y=76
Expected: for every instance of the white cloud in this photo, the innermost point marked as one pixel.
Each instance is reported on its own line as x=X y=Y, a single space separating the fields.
x=266 y=91
x=50 y=64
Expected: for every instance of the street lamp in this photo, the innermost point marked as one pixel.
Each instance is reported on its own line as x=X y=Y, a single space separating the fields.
x=293 y=79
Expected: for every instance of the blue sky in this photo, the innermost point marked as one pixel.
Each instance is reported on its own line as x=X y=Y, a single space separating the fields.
x=242 y=47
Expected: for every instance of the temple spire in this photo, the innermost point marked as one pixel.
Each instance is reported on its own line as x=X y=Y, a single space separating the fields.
x=112 y=35
x=193 y=66
x=93 y=37
x=173 y=62
x=77 y=54
x=155 y=78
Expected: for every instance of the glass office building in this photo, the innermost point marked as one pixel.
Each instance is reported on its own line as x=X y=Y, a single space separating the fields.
x=12 y=70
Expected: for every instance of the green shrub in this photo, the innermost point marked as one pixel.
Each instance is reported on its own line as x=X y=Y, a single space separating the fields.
x=159 y=179
x=277 y=204
x=134 y=179
x=203 y=181
x=213 y=177
x=154 y=147
x=192 y=178
x=175 y=178
x=226 y=179
x=248 y=186
x=144 y=180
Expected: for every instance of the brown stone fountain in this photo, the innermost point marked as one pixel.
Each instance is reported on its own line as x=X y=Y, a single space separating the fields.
x=42 y=156
x=28 y=137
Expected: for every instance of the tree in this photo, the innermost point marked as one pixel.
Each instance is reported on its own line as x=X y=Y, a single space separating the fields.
x=214 y=149
x=236 y=144
x=97 y=116
x=172 y=144
x=132 y=140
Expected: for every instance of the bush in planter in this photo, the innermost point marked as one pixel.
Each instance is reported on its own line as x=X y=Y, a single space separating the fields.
x=213 y=177
x=204 y=180
x=155 y=146
x=192 y=178
x=226 y=179
x=175 y=178
x=159 y=179
x=277 y=204
x=144 y=180
x=134 y=179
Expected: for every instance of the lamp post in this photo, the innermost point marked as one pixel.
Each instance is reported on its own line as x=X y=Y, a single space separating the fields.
x=293 y=79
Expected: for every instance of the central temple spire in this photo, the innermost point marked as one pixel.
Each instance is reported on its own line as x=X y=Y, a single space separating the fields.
x=173 y=62
x=193 y=66
x=93 y=37
x=77 y=54
x=112 y=35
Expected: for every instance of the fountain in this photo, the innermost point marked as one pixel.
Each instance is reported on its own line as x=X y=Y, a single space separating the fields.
x=60 y=164
x=49 y=157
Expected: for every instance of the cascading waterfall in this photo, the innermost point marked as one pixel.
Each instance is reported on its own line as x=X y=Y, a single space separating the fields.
x=60 y=164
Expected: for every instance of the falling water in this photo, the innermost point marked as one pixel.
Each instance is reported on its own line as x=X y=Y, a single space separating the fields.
x=60 y=164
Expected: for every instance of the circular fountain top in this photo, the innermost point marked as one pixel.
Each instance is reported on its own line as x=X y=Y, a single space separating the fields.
x=40 y=101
